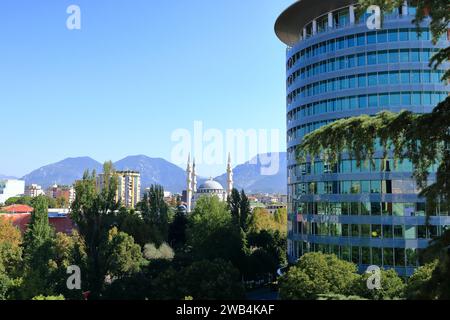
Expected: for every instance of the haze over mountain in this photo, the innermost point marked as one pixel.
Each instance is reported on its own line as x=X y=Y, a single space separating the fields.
x=247 y=176
x=3 y=176
x=254 y=176
x=64 y=172
x=155 y=171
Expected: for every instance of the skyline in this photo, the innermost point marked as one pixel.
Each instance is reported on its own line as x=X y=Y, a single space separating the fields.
x=114 y=76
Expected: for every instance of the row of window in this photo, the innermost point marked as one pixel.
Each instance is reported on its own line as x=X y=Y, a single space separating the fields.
x=364 y=80
x=381 y=101
x=360 y=39
x=351 y=166
x=399 y=209
x=403 y=186
x=375 y=231
x=383 y=257
x=362 y=59
x=341 y=18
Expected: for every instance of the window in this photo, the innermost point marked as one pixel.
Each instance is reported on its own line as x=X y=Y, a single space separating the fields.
x=404 y=35
x=404 y=55
x=393 y=35
x=413 y=36
x=361 y=59
x=362 y=101
x=361 y=80
x=361 y=39
x=388 y=257
x=351 y=61
x=372 y=79
x=382 y=36
x=404 y=75
x=384 y=100
x=383 y=78
x=373 y=101
x=393 y=56
x=415 y=56
x=415 y=99
x=394 y=77
x=394 y=99
x=388 y=231
x=371 y=58
x=399 y=257
x=350 y=41
x=415 y=76
x=371 y=37
x=382 y=57
x=406 y=98
x=375 y=208
x=376 y=231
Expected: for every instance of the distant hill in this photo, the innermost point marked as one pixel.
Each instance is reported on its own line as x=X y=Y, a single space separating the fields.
x=3 y=176
x=155 y=171
x=249 y=176
x=64 y=172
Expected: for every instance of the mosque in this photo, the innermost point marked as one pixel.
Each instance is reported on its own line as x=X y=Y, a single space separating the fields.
x=208 y=188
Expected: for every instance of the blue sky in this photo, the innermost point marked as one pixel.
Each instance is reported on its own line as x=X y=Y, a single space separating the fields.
x=136 y=71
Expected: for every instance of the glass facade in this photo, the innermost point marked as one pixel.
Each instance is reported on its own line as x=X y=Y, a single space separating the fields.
x=369 y=214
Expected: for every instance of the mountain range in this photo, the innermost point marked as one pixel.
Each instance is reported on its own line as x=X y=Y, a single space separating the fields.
x=247 y=176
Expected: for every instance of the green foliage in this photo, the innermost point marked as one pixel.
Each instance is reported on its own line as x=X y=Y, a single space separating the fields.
x=268 y=251
x=317 y=273
x=10 y=259
x=39 y=243
x=392 y=286
x=155 y=210
x=93 y=212
x=163 y=252
x=41 y=298
x=418 y=286
x=120 y=255
x=261 y=219
x=338 y=297
x=130 y=222
x=177 y=230
x=212 y=280
x=29 y=201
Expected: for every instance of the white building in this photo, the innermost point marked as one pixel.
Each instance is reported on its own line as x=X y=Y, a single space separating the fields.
x=34 y=190
x=11 y=188
x=209 y=188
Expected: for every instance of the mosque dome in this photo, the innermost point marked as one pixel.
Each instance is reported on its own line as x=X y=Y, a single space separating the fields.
x=210 y=185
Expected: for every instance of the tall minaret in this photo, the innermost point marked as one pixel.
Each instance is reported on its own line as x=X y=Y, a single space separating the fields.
x=229 y=176
x=194 y=178
x=189 y=185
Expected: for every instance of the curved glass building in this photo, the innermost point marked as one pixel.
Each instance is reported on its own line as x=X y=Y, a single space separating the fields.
x=337 y=68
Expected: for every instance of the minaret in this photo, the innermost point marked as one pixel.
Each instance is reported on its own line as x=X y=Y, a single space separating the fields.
x=194 y=178
x=189 y=185
x=229 y=176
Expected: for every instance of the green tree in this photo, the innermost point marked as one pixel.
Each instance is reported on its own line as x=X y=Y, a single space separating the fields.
x=419 y=284
x=392 y=286
x=317 y=273
x=234 y=201
x=69 y=250
x=10 y=259
x=155 y=210
x=244 y=211
x=94 y=213
x=163 y=252
x=177 y=230
x=212 y=280
x=39 y=242
x=120 y=255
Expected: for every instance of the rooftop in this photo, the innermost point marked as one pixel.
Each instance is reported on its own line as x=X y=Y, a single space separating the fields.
x=290 y=23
